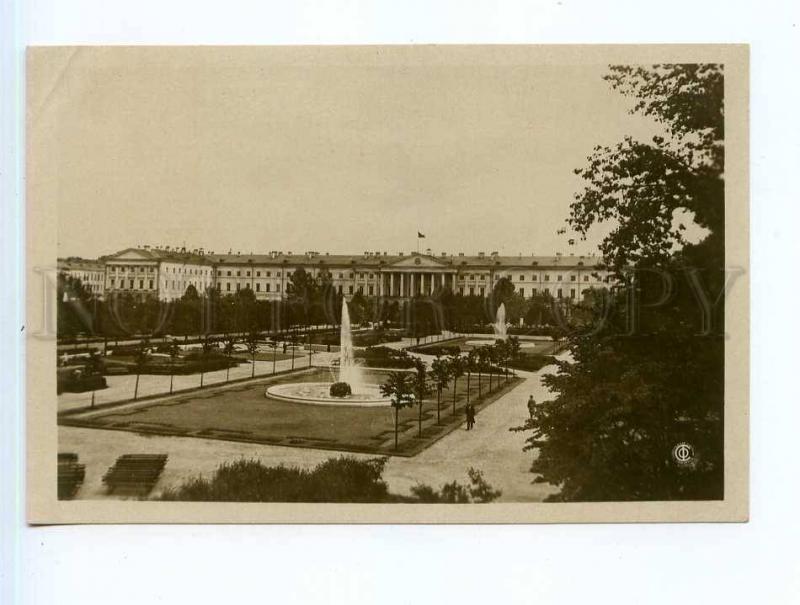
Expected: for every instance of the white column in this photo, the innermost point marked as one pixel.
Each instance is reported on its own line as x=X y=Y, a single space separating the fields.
x=402 y=284
x=391 y=284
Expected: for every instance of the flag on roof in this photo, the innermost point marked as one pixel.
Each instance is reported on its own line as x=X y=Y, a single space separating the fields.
x=420 y=235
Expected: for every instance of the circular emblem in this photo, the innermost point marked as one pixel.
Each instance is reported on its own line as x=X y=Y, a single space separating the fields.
x=683 y=453
x=417 y=261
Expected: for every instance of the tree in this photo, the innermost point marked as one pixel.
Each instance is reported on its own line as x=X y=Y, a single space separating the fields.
x=399 y=388
x=76 y=307
x=440 y=374
x=359 y=308
x=140 y=360
x=174 y=351
x=514 y=348
x=207 y=345
x=190 y=293
x=641 y=379
x=94 y=367
x=421 y=387
x=471 y=366
x=481 y=359
x=503 y=291
x=457 y=366
x=274 y=339
x=252 y=348
x=501 y=356
x=228 y=348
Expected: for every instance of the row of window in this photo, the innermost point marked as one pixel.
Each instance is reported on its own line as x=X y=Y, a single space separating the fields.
x=131 y=284
x=572 y=278
x=151 y=269
x=131 y=269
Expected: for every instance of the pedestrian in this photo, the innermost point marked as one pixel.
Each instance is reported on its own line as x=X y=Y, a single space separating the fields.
x=470 y=410
x=531 y=406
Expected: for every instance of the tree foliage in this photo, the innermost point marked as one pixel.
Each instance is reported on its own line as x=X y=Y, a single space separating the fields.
x=645 y=374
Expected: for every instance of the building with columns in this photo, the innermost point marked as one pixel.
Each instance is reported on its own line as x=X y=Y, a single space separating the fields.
x=166 y=274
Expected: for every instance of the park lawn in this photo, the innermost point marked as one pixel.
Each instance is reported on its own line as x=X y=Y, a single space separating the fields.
x=244 y=413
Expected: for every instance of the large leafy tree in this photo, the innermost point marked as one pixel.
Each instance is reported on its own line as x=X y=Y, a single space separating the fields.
x=647 y=375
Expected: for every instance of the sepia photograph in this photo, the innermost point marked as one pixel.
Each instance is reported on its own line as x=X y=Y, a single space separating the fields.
x=387 y=284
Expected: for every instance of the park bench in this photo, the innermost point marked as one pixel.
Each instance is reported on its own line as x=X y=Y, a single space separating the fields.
x=135 y=474
x=70 y=475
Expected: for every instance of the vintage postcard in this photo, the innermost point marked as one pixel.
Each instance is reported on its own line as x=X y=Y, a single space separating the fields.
x=387 y=284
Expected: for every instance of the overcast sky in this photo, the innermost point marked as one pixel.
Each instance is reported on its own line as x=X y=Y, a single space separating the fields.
x=259 y=151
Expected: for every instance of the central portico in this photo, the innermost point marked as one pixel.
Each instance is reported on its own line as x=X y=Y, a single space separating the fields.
x=416 y=275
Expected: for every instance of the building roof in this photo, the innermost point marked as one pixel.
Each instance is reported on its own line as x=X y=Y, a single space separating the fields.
x=80 y=264
x=367 y=259
x=387 y=260
x=159 y=254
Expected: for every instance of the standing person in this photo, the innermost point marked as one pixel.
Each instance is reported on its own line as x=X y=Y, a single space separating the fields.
x=531 y=406
x=470 y=409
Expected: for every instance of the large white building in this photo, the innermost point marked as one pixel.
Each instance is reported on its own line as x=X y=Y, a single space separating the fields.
x=166 y=274
x=91 y=273
x=162 y=273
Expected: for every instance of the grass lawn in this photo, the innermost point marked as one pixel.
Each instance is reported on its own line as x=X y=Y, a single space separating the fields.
x=244 y=413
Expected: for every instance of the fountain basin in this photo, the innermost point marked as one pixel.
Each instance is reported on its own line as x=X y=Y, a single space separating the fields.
x=318 y=393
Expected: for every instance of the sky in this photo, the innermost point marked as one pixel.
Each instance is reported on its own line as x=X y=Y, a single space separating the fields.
x=259 y=150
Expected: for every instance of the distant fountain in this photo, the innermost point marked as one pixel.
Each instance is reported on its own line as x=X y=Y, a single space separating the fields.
x=349 y=372
x=500 y=323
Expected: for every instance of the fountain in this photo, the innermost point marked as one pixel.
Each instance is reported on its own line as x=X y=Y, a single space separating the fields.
x=349 y=372
x=499 y=327
x=500 y=323
x=362 y=393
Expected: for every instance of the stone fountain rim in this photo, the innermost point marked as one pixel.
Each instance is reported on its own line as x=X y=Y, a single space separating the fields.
x=329 y=401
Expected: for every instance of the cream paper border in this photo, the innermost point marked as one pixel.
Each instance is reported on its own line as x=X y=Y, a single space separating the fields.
x=42 y=181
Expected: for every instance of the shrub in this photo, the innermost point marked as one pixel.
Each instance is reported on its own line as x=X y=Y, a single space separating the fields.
x=384 y=357
x=454 y=493
x=341 y=479
x=340 y=389
x=72 y=381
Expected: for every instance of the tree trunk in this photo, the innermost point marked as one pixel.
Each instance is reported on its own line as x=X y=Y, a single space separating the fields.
x=469 y=376
x=253 y=373
x=171 y=377
x=136 y=388
x=455 y=391
x=419 y=432
x=274 y=356
x=438 y=405
x=396 y=427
